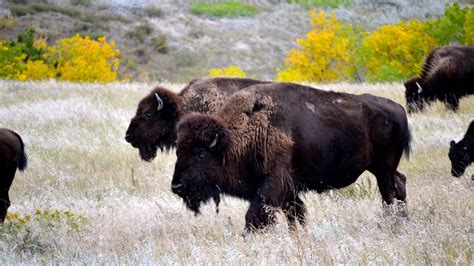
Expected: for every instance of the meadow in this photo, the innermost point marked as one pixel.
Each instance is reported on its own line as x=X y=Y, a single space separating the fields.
x=114 y=208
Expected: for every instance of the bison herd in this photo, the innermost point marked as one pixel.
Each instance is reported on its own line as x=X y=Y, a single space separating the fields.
x=268 y=142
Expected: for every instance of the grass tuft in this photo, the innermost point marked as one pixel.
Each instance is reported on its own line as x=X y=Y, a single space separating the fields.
x=229 y=9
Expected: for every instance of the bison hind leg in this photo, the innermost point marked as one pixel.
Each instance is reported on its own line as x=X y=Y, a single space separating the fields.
x=295 y=210
x=392 y=187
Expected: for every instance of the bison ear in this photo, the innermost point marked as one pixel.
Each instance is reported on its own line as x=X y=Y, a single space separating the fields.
x=452 y=143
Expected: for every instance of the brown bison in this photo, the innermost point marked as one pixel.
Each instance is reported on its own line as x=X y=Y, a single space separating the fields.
x=154 y=124
x=461 y=154
x=12 y=156
x=447 y=75
x=272 y=141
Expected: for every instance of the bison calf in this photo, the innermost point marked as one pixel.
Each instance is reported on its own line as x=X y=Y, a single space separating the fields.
x=447 y=75
x=461 y=154
x=12 y=157
x=272 y=141
x=154 y=124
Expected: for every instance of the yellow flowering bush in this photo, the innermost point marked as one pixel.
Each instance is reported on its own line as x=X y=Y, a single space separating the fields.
x=81 y=59
x=395 y=52
x=231 y=71
x=11 y=61
x=37 y=70
x=326 y=54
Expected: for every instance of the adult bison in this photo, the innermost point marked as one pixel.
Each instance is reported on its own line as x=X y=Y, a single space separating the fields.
x=154 y=124
x=272 y=141
x=12 y=157
x=461 y=154
x=447 y=75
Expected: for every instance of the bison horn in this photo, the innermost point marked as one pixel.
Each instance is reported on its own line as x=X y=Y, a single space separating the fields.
x=160 y=102
x=214 y=142
x=419 y=87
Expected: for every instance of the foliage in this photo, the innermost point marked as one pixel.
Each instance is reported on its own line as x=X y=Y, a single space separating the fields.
x=160 y=44
x=11 y=61
x=451 y=27
x=321 y=3
x=231 y=71
x=46 y=218
x=229 y=9
x=140 y=32
x=395 y=52
x=324 y=55
x=81 y=2
x=81 y=59
x=7 y=23
x=153 y=12
x=469 y=28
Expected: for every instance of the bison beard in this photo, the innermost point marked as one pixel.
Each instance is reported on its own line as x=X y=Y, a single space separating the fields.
x=273 y=141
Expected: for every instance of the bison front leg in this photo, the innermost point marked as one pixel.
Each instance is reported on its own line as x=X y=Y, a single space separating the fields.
x=295 y=210
x=452 y=102
x=271 y=195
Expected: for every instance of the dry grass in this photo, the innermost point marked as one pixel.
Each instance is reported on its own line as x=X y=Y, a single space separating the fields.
x=80 y=162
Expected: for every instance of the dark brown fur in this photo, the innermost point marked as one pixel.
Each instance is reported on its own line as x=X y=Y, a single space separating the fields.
x=447 y=76
x=150 y=129
x=12 y=157
x=270 y=142
x=461 y=154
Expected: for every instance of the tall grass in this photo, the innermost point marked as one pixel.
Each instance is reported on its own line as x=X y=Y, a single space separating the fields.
x=112 y=208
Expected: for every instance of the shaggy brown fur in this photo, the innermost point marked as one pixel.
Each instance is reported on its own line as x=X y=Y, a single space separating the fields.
x=12 y=157
x=461 y=154
x=272 y=141
x=151 y=129
x=447 y=75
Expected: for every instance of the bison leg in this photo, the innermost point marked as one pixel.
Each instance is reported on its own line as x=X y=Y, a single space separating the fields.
x=295 y=209
x=452 y=102
x=401 y=193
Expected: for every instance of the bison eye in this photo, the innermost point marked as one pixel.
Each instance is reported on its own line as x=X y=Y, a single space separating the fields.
x=147 y=115
x=201 y=155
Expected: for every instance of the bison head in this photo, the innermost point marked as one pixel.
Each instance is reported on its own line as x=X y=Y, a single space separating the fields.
x=201 y=147
x=414 y=95
x=153 y=126
x=460 y=158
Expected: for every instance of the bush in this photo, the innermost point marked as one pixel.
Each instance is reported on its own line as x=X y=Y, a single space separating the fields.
x=140 y=32
x=321 y=3
x=19 y=10
x=81 y=59
x=469 y=28
x=11 y=61
x=153 y=12
x=395 y=52
x=231 y=71
x=81 y=2
x=326 y=54
x=451 y=27
x=160 y=44
x=229 y=9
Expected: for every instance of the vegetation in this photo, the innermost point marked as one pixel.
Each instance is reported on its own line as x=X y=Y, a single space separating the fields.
x=228 y=9
x=78 y=59
x=454 y=26
x=395 y=52
x=321 y=3
x=325 y=55
x=231 y=71
x=153 y=12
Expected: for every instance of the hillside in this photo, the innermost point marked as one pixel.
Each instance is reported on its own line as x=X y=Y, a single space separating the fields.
x=163 y=40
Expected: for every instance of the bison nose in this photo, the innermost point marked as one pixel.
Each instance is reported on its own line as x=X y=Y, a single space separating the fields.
x=128 y=137
x=177 y=188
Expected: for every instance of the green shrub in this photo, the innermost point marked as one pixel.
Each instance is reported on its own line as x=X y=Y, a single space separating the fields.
x=140 y=32
x=7 y=23
x=19 y=10
x=81 y=2
x=321 y=3
x=159 y=44
x=153 y=12
x=229 y=9
x=450 y=28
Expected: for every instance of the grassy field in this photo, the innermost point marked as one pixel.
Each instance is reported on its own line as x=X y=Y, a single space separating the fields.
x=121 y=210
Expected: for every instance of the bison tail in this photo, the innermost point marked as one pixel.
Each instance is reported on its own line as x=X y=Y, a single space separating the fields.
x=407 y=144
x=22 y=158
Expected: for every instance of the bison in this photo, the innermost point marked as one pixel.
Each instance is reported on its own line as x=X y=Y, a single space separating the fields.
x=154 y=124
x=461 y=154
x=447 y=75
x=12 y=157
x=271 y=142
